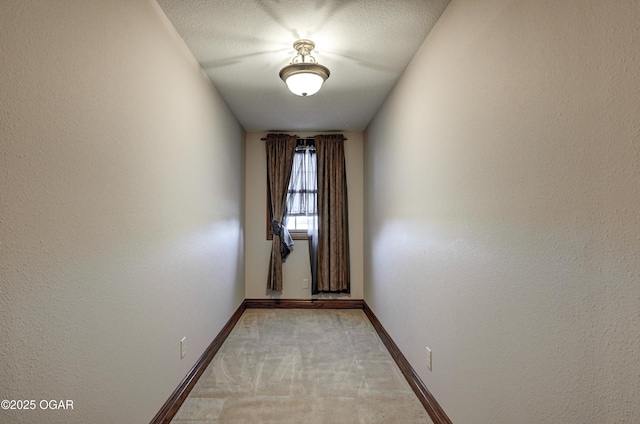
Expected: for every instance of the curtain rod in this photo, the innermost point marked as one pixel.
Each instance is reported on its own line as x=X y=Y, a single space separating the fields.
x=304 y=138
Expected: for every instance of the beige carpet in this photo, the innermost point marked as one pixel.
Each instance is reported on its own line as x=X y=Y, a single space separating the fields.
x=302 y=366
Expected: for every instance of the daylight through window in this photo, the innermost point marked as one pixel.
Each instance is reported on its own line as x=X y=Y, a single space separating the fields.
x=302 y=192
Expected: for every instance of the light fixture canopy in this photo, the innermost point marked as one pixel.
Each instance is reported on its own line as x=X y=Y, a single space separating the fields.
x=304 y=76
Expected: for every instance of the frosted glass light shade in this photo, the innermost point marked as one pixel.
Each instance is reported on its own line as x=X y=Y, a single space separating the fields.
x=304 y=83
x=304 y=76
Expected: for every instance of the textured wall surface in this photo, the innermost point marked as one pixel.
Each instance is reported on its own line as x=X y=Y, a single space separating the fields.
x=503 y=212
x=296 y=268
x=121 y=209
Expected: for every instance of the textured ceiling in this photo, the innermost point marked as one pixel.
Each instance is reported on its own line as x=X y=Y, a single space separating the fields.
x=243 y=44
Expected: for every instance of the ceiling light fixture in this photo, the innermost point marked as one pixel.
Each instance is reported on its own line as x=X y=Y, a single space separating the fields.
x=304 y=76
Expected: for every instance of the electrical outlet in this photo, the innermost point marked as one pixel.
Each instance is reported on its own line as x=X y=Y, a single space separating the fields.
x=305 y=283
x=183 y=347
x=428 y=357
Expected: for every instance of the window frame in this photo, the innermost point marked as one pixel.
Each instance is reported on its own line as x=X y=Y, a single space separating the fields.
x=295 y=234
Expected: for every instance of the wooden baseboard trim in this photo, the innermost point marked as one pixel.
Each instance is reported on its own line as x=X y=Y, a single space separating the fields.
x=430 y=404
x=171 y=406
x=305 y=303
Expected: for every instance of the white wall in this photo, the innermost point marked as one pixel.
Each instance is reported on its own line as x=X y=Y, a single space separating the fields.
x=503 y=211
x=121 y=209
x=296 y=268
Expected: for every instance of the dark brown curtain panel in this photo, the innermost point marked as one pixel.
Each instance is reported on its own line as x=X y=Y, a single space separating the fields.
x=329 y=242
x=280 y=151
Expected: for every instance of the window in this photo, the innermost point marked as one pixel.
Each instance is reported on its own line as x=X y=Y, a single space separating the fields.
x=302 y=194
x=303 y=190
